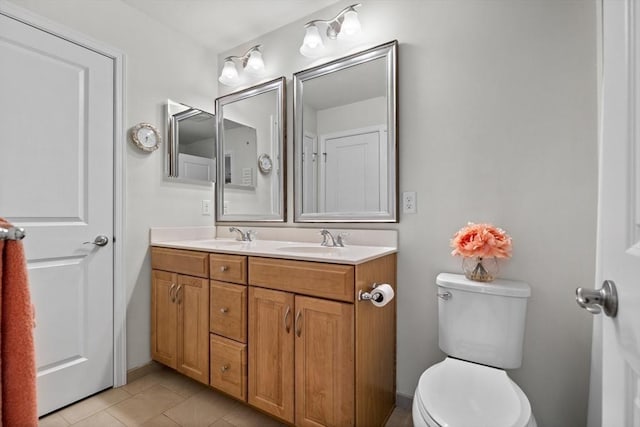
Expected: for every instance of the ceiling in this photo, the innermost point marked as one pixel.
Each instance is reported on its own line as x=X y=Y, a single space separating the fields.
x=353 y=84
x=221 y=25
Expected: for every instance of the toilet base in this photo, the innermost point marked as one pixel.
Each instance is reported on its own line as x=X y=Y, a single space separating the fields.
x=420 y=421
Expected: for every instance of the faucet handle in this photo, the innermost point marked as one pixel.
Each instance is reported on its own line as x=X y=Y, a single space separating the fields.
x=251 y=235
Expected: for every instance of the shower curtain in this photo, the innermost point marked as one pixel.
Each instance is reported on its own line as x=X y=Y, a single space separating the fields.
x=18 y=404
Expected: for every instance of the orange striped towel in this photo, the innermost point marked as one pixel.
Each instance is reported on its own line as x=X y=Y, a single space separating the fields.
x=17 y=353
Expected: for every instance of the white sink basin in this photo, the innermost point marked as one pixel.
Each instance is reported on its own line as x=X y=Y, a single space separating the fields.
x=323 y=250
x=222 y=243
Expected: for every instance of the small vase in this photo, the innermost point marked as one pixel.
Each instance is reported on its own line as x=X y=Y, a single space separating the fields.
x=480 y=269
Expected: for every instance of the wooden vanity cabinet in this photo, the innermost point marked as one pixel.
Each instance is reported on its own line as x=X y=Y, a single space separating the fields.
x=290 y=337
x=180 y=311
x=317 y=356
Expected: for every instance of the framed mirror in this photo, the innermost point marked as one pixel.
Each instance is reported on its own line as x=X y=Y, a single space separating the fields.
x=251 y=154
x=345 y=143
x=191 y=142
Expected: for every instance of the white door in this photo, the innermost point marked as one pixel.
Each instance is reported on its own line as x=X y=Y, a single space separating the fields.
x=353 y=171
x=56 y=181
x=196 y=167
x=618 y=253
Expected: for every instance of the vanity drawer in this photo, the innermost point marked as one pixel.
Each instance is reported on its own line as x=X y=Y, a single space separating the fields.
x=191 y=263
x=229 y=268
x=333 y=281
x=228 y=366
x=228 y=310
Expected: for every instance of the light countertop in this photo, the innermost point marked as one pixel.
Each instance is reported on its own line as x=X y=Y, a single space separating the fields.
x=305 y=251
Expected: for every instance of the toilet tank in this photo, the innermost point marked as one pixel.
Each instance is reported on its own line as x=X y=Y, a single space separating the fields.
x=482 y=322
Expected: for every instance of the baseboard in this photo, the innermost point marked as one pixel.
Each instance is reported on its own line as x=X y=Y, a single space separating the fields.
x=141 y=371
x=404 y=401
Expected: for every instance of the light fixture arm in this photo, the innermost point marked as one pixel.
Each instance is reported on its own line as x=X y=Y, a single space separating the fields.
x=245 y=57
x=334 y=25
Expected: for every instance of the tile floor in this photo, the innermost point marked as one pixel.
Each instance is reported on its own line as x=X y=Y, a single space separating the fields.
x=165 y=398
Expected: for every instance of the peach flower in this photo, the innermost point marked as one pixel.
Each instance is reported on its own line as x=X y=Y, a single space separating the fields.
x=481 y=240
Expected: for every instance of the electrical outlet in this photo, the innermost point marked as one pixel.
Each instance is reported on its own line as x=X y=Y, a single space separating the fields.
x=409 y=202
x=225 y=206
x=206 y=207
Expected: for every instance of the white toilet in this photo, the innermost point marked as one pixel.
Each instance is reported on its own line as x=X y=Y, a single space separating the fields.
x=481 y=328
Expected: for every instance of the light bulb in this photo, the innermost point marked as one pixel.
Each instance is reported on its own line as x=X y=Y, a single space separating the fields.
x=255 y=64
x=229 y=75
x=350 y=24
x=312 y=44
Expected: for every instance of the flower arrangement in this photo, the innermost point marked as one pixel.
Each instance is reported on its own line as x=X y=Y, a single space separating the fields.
x=481 y=240
x=480 y=243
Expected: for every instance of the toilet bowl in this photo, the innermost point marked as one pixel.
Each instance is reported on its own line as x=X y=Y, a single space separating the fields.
x=456 y=393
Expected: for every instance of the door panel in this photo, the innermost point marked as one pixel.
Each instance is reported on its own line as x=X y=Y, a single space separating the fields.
x=271 y=352
x=164 y=318
x=192 y=298
x=324 y=362
x=57 y=109
x=618 y=249
x=353 y=172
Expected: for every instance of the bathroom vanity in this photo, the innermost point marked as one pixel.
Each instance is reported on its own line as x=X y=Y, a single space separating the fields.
x=279 y=325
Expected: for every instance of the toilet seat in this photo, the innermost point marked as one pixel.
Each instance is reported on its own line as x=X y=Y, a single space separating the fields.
x=456 y=393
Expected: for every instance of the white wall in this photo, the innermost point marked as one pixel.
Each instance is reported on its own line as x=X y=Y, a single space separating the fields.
x=497 y=123
x=160 y=64
x=361 y=114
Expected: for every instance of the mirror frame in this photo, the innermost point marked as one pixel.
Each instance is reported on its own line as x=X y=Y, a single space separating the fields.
x=279 y=86
x=174 y=111
x=390 y=52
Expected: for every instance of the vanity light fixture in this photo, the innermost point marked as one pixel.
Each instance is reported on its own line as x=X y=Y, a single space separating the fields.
x=252 y=63
x=344 y=25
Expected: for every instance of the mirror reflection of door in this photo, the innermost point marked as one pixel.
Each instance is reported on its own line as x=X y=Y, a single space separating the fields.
x=353 y=172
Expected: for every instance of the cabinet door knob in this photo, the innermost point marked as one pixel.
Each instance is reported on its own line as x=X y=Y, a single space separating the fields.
x=224 y=310
x=287 y=314
x=171 y=294
x=224 y=268
x=224 y=368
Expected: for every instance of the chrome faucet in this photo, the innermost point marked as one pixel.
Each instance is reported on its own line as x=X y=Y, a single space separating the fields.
x=244 y=236
x=330 y=241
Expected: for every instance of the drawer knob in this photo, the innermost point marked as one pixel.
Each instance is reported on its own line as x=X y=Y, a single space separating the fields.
x=224 y=368
x=224 y=310
x=224 y=268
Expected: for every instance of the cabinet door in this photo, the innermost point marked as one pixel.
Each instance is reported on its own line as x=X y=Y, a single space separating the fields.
x=271 y=352
x=163 y=318
x=324 y=365
x=192 y=298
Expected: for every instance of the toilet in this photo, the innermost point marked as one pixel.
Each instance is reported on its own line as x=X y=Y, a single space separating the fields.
x=481 y=329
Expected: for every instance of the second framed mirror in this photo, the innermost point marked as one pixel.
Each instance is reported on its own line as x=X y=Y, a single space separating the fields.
x=251 y=154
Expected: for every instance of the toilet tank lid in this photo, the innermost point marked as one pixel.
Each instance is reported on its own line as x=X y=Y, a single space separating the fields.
x=502 y=287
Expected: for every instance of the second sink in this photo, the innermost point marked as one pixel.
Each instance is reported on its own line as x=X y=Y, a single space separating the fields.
x=311 y=249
